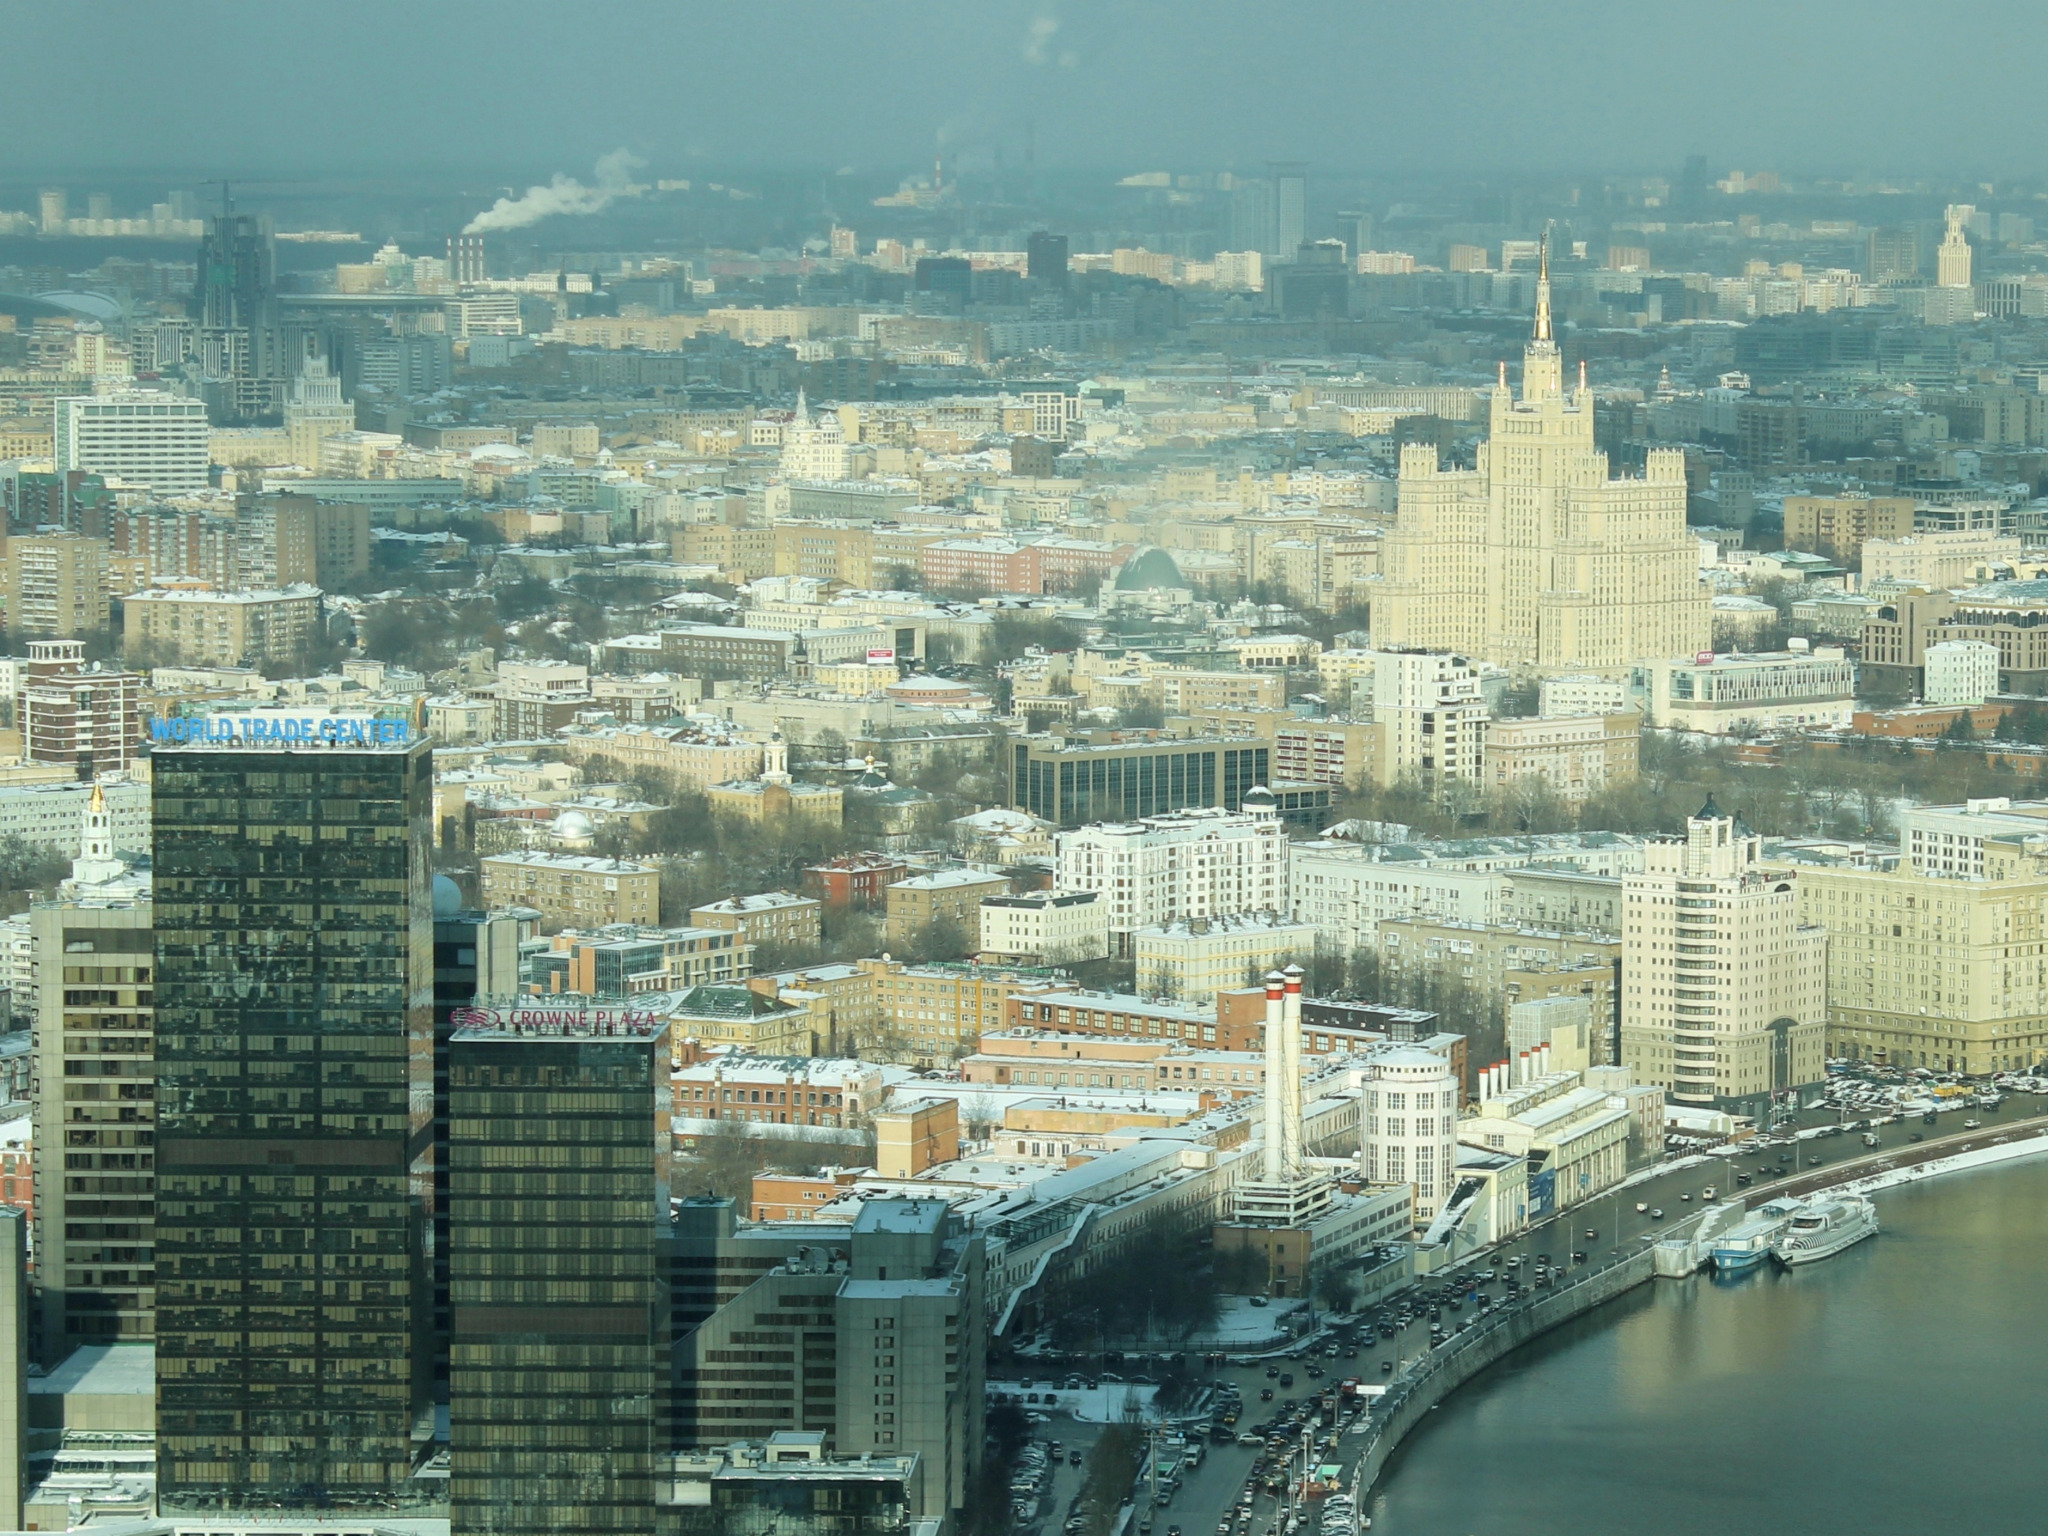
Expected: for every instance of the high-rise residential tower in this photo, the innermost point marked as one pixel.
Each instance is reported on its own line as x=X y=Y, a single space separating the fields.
x=1536 y=558
x=1724 y=984
x=294 y=1047
x=95 y=1112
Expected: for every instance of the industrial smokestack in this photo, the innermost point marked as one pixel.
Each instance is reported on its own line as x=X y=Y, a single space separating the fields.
x=1272 y=1164
x=1291 y=1044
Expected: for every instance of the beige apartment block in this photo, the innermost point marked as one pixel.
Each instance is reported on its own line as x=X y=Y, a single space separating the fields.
x=1574 y=758
x=573 y=890
x=946 y=896
x=221 y=629
x=56 y=584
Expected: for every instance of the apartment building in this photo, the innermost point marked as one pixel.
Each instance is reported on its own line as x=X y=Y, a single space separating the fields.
x=1934 y=960
x=951 y=896
x=221 y=629
x=1573 y=759
x=56 y=584
x=932 y=1013
x=1725 y=983
x=573 y=890
x=537 y=698
x=693 y=757
x=1194 y=958
x=1839 y=526
x=780 y=918
x=86 y=718
x=1202 y=862
x=1045 y=927
x=1431 y=711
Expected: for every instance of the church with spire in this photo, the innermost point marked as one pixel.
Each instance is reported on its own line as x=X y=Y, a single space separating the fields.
x=1537 y=559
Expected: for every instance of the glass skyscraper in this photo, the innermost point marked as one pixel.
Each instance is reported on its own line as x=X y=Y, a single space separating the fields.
x=294 y=1049
x=558 y=1228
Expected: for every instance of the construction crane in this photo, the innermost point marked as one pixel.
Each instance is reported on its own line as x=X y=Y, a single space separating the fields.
x=227 y=201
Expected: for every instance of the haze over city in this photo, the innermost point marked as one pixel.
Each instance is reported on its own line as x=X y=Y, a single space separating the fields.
x=1017 y=771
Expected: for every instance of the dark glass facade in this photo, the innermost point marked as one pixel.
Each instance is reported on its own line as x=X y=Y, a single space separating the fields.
x=294 y=992
x=1071 y=785
x=558 y=1231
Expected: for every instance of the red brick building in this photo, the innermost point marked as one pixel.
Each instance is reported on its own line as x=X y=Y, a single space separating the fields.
x=856 y=880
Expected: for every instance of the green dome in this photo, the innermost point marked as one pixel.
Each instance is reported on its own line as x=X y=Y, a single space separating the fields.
x=1149 y=570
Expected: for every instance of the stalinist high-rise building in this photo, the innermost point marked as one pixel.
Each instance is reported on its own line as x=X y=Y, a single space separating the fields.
x=1537 y=558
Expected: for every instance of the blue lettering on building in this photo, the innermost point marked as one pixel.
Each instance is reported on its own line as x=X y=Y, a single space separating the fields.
x=279 y=730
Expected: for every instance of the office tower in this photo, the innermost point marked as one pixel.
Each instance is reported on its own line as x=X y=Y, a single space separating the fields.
x=294 y=995
x=56 y=584
x=1536 y=557
x=1892 y=255
x=1290 y=206
x=1287 y=1193
x=476 y=961
x=948 y=278
x=1355 y=230
x=466 y=259
x=1724 y=992
x=84 y=717
x=400 y=366
x=1045 y=258
x=54 y=210
x=1952 y=260
x=872 y=1332
x=242 y=356
x=95 y=1116
x=843 y=244
x=1693 y=182
x=558 y=1227
x=148 y=437
x=14 y=1363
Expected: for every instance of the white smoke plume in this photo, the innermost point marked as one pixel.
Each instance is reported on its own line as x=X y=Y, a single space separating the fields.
x=565 y=195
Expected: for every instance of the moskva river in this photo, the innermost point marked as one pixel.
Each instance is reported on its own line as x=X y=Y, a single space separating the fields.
x=1901 y=1386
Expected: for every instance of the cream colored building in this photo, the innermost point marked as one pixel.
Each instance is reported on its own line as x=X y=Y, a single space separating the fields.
x=573 y=890
x=1724 y=991
x=56 y=584
x=1045 y=927
x=1958 y=558
x=1537 y=557
x=1574 y=759
x=222 y=629
x=1940 y=960
x=1195 y=958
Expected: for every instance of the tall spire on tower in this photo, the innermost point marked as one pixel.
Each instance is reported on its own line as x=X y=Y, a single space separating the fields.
x=1542 y=368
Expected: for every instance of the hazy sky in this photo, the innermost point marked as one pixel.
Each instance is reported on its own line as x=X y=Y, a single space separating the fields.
x=524 y=88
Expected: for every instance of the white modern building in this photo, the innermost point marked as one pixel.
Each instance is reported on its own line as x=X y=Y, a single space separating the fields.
x=1411 y=1125
x=1431 y=709
x=1960 y=672
x=1724 y=987
x=1200 y=862
x=1045 y=927
x=1581 y=693
x=146 y=437
x=1716 y=695
x=1194 y=958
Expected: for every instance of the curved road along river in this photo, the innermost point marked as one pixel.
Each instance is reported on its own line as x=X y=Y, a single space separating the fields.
x=1894 y=1388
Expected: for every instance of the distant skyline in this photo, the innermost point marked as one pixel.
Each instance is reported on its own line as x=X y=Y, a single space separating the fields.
x=520 y=91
